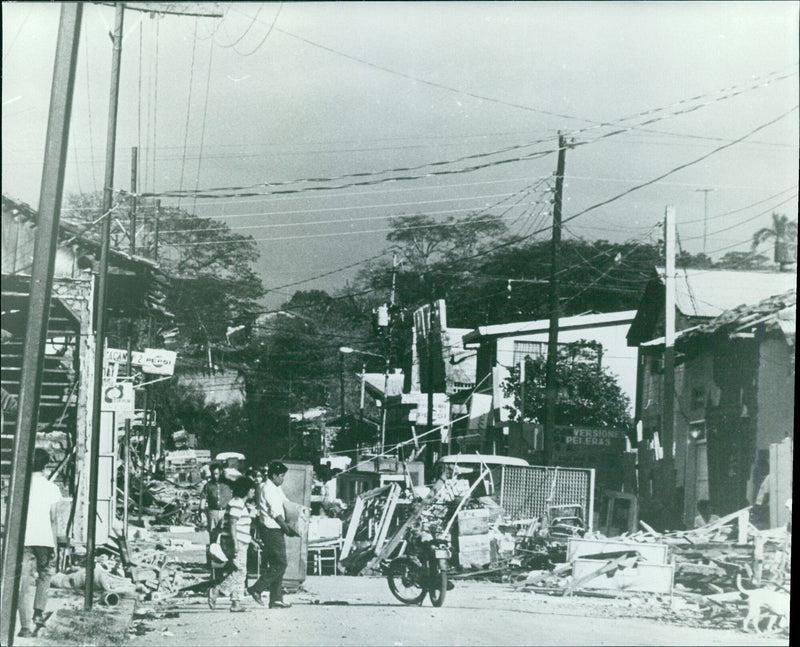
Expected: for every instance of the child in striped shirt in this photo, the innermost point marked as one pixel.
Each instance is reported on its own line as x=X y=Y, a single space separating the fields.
x=235 y=541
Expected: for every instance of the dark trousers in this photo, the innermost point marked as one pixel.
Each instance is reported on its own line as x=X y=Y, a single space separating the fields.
x=273 y=562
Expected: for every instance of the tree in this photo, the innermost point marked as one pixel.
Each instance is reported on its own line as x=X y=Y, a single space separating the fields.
x=588 y=394
x=700 y=261
x=211 y=280
x=423 y=240
x=742 y=261
x=183 y=406
x=783 y=233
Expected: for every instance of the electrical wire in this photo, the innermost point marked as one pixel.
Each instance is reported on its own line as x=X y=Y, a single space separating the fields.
x=89 y=106
x=188 y=107
x=203 y=127
x=245 y=32
x=266 y=35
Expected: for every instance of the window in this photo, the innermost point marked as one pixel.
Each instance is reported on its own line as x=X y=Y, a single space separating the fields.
x=531 y=349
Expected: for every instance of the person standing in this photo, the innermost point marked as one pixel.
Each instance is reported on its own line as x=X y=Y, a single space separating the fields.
x=38 y=555
x=216 y=494
x=704 y=514
x=235 y=542
x=272 y=529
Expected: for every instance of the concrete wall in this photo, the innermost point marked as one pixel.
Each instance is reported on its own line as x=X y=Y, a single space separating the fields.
x=775 y=415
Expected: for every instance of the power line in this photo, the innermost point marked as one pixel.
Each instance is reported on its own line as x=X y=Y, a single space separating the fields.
x=266 y=35
x=203 y=127
x=188 y=108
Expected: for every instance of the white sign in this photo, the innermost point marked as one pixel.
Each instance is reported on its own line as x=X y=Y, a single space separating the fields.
x=120 y=356
x=156 y=361
x=159 y=361
x=119 y=398
x=441 y=408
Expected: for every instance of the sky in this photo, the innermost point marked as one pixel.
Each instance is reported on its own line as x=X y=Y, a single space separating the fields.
x=341 y=115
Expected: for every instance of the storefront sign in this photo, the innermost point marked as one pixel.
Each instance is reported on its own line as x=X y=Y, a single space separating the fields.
x=118 y=398
x=159 y=361
x=593 y=438
x=156 y=361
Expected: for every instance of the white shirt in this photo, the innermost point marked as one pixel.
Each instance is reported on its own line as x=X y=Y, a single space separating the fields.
x=270 y=503
x=43 y=496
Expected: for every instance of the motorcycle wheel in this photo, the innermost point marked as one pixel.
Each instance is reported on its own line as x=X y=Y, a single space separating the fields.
x=439 y=589
x=404 y=581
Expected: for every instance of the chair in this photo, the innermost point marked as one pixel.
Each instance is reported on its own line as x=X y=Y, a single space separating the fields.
x=322 y=554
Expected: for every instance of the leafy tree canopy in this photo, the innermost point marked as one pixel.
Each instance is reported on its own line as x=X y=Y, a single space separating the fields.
x=588 y=394
x=212 y=282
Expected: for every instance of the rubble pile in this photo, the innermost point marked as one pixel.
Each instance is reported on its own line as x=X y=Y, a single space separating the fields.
x=697 y=577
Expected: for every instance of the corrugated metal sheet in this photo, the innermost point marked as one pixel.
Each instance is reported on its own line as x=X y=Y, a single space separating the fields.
x=709 y=293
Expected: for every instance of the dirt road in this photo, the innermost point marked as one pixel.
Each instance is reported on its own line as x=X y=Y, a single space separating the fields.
x=362 y=611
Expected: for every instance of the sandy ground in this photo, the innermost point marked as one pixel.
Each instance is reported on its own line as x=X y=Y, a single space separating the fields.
x=361 y=611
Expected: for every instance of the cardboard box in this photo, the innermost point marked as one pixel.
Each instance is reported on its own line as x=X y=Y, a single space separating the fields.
x=478 y=521
x=474 y=550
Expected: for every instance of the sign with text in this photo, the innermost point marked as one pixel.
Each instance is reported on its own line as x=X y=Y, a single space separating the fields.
x=120 y=356
x=419 y=415
x=118 y=398
x=159 y=361
x=597 y=439
x=156 y=361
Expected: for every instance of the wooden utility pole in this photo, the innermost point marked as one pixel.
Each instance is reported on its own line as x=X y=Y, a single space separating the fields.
x=134 y=185
x=668 y=421
x=705 y=214
x=100 y=314
x=41 y=287
x=551 y=380
x=129 y=363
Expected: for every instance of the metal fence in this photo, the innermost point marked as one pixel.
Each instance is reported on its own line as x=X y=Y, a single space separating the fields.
x=526 y=492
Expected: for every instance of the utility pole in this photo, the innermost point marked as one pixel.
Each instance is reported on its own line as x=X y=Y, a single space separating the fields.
x=41 y=287
x=384 y=411
x=341 y=386
x=129 y=363
x=430 y=376
x=102 y=289
x=668 y=413
x=155 y=234
x=705 y=214
x=134 y=184
x=551 y=383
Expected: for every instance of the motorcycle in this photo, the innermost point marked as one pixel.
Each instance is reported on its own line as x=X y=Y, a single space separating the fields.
x=420 y=571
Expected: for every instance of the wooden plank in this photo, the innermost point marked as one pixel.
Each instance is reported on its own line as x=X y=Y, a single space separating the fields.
x=400 y=533
x=388 y=515
x=352 y=528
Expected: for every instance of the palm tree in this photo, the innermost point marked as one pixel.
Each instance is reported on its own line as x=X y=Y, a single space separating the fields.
x=784 y=233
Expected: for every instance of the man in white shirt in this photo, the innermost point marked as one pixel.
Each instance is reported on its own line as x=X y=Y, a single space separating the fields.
x=272 y=528
x=38 y=556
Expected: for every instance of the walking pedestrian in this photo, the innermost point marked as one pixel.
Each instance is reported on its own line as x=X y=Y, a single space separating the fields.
x=235 y=541
x=38 y=554
x=272 y=529
x=216 y=494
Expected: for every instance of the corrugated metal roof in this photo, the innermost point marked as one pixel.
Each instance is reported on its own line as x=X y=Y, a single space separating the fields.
x=778 y=311
x=542 y=325
x=709 y=293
